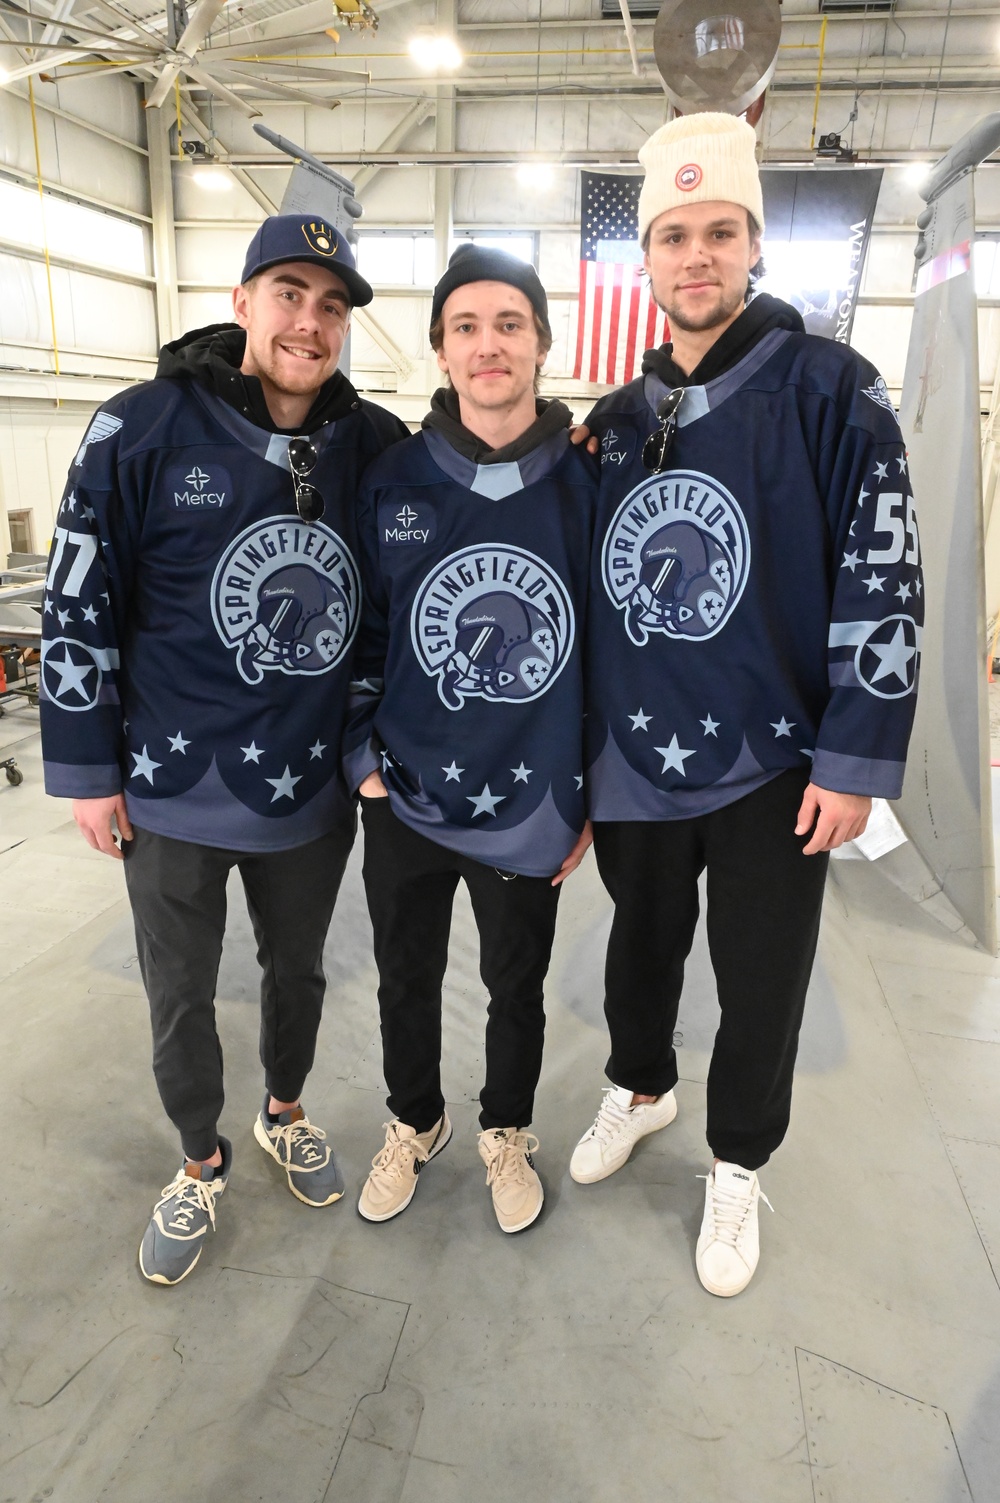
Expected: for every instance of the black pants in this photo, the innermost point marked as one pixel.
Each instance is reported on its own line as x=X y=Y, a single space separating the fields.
x=178 y=896
x=764 y=905
x=411 y=882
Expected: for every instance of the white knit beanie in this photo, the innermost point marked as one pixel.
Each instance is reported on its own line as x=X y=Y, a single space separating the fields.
x=699 y=159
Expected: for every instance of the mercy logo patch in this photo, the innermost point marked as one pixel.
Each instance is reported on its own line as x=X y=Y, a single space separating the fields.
x=676 y=557
x=195 y=487
x=286 y=596
x=493 y=622
x=405 y=524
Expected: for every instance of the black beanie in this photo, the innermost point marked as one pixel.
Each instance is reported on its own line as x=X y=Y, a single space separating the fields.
x=476 y=263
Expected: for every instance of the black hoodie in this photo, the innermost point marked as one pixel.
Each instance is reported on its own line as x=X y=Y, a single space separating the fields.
x=758 y=318
x=213 y=355
x=445 y=416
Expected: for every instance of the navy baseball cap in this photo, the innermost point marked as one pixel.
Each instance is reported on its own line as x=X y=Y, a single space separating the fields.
x=298 y=237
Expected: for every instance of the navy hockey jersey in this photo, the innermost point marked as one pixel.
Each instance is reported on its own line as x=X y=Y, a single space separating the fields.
x=758 y=606
x=469 y=693
x=197 y=634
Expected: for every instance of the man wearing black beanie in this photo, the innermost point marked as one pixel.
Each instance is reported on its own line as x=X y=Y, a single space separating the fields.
x=465 y=740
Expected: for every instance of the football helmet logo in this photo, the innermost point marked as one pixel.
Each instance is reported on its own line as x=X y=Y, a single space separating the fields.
x=302 y=619
x=493 y=623
x=685 y=583
x=282 y=607
x=505 y=648
x=676 y=557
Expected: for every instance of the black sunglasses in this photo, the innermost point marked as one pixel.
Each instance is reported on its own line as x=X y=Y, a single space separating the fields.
x=657 y=446
x=302 y=457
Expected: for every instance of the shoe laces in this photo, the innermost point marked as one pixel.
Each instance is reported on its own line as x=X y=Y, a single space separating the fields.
x=396 y=1157
x=512 y=1160
x=611 y=1117
x=730 y=1210
x=301 y=1136
x=189 y=1196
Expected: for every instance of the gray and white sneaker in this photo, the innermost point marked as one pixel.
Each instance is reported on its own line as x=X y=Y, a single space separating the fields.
x=617 y=1128
x=302 y=1151
x=729 y=1243
x=181 y=1219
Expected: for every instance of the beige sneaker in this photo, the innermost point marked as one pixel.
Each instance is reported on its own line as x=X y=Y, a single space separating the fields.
x=391 y=1185
x=517 y=1190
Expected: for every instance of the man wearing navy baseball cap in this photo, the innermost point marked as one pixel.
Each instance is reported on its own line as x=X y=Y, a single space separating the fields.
x=204 y=595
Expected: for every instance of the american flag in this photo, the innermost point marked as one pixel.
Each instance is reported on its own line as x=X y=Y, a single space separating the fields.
x=618 y=318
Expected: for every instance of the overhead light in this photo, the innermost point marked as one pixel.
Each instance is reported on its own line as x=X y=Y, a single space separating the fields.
x=536 y=174
x=213 y=179
x=917 y=173
x=436 y=53
x=4 y=76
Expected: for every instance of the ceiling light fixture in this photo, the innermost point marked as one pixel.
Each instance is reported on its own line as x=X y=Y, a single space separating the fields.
x=536 y=174
x=436 y=53
x=213 y=179
x=917 y=173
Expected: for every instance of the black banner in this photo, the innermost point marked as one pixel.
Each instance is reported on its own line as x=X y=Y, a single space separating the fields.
x=818 y=222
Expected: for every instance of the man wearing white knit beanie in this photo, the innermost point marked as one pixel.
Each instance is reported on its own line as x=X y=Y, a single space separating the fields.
x=756 y=605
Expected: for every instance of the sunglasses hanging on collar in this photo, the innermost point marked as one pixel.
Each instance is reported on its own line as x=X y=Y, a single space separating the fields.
x=657 y=446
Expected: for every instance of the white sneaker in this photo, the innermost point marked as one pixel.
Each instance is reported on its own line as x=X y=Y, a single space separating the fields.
x=618 y=1127
x=729 y=1246
x=390 y=1186
x=510 y=1173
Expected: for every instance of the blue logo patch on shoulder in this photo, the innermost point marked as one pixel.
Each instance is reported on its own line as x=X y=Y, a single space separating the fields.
x=203 y=487
x=407 y=523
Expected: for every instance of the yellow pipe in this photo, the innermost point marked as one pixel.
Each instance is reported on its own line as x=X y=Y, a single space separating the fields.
x=819 y=80
x=45 y=233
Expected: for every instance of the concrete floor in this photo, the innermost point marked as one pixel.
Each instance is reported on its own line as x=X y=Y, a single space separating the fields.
x=433 y=1360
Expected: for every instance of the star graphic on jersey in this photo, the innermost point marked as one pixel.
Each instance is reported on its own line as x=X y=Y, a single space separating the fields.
x=882 y=471
x=893 y=656
x=252 y=753
x=64 y=616
x=851 y=561
x=485 y=802
x=177 y=743
x=578 y=778
x=106 y=598
x=71 y=501
x=901 y=461
x=316 y=750
x=71 y=675
x=918 y=586
x=453 y=774
x=875 y=582
x=674 y=756
x=863 y=497
x=48 y=606
x=283 y=786
x=327 y=641
x=88 y=512
x=386 y=760
x=782 y=727
x=144 y=765
x=904 y=592
x=89 y=614
x=850 y=530
x=522 y=773
x=711 y=726
x=641 y=721
x=534 y=672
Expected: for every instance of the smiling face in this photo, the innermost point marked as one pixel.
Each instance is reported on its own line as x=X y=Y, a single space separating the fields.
x=698 y=258
x=296 y=316
x=491 y=351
